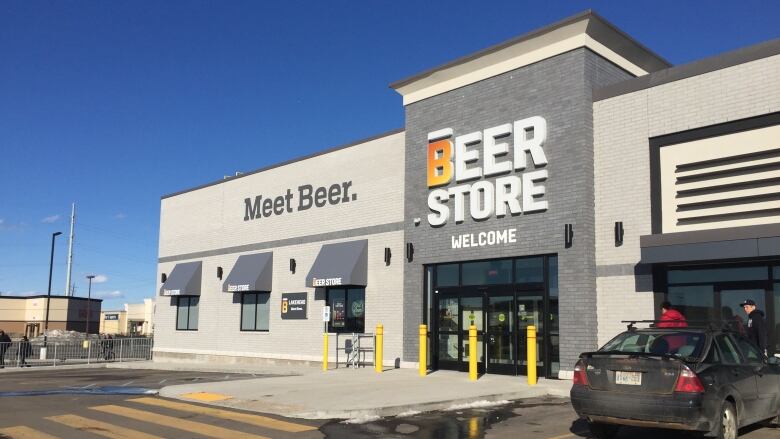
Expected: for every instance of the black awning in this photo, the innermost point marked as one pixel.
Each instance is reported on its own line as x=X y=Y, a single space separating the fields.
x=184 y=280
x=344 y=263
x=713 y=244
x=250 y=273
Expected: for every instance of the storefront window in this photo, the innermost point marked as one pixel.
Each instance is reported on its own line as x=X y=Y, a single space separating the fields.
x=187 y=313
x=529 y=270
x=776 y=319
x=726 y=274
x=695 y=302
x=447 y=275
x=488 y=272
x=347 y=309
x=255 y=309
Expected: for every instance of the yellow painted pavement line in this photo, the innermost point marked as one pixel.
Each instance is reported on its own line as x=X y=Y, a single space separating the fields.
x=22 y=432
x=101 y=428
x=257 y=420
x=206 y=396
x=563 y=436
x=179 y=424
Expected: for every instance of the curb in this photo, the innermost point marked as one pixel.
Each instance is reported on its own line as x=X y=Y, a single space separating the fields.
x=382 y=412
x=16 y=369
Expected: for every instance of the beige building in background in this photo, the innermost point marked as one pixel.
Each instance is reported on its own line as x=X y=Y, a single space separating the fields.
x=27 y=315
x=134 y=319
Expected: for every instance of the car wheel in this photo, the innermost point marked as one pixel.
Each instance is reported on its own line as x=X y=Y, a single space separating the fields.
x=602 y=431
x=726 y=425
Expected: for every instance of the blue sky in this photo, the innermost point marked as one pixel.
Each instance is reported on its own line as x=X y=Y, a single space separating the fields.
x=113 y=104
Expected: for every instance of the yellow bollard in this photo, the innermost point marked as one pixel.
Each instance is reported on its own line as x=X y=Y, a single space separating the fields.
x=473 y=353
x=324 y=351
x=531 y=355
x=380 y=336
x=423 y=350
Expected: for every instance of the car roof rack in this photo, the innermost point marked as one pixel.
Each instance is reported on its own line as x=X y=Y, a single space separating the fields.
x=711 y=325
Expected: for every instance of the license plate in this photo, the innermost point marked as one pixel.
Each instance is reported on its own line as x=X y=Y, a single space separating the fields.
x=628 y=378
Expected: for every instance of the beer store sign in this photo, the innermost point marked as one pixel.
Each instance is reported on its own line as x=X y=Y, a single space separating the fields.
x=488 y=183
x=294 y=306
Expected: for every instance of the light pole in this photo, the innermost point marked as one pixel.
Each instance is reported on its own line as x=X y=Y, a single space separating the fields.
x=48 y=294
x=89 y=302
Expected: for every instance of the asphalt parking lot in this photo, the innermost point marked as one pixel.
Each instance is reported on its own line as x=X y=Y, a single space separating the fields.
x=70 y=404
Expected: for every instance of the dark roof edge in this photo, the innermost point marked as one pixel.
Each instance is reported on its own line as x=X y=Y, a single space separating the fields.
x=43 y=296
x=710 y=235
x=287 y=162
x=695 y=68
x=586 y=14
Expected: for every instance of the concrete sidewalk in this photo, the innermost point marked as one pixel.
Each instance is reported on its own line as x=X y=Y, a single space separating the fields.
x=363 y=393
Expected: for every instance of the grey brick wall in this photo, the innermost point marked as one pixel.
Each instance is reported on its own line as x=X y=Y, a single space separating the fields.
x=558 y=89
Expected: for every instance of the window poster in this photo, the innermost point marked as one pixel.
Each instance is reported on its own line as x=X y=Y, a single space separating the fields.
x=338 y=312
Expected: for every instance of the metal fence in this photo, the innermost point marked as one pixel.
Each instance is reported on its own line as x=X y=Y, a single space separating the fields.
x=358 y=349
x=59 y=353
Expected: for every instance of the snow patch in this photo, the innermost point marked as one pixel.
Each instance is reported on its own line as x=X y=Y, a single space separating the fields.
x=476 y=405
x=362 y=419
x=408 y=413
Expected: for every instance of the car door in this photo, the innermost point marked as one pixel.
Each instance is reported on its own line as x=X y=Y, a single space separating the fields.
x=740 y=376
x=766 y=378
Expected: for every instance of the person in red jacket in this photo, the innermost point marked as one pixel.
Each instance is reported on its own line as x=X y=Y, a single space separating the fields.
x=671 y=318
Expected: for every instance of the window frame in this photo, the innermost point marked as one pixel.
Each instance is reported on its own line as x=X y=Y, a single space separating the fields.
x=740 y=340
x=257 y=295
x=188 y=306
x=346 y=329
x=740 y=360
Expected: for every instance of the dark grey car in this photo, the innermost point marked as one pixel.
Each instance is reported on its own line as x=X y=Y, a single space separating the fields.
x=706 y=380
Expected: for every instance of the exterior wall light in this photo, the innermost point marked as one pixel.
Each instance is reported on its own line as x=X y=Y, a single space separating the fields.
x=618 y=233
x=409 y=251
x=163 y=278
x=388 y=254
x=568 y=235
x=292 y=266
x=219 y=273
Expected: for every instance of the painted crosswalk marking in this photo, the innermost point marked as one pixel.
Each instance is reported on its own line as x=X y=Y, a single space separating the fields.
x=179 y=424
x=100 y=428
x=22 y=432
x=257 y=420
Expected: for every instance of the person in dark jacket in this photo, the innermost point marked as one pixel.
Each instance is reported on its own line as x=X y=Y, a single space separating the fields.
x=671 y=318
x=5 y=343
x=756 y=326
x=25 y=350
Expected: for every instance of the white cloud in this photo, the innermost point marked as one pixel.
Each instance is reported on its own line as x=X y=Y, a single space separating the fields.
x=120 y=216
x=116 y=294
x=51 y=219
x=10 y=226
x=99 y=279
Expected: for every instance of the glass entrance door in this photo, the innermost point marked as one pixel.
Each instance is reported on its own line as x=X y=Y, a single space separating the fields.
x=530 y=310
x=471 y=314
x=456 y=313
x=501 y=346
x=448 y=333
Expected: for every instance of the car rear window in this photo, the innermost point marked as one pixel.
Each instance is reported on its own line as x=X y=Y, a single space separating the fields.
x=681 y=344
